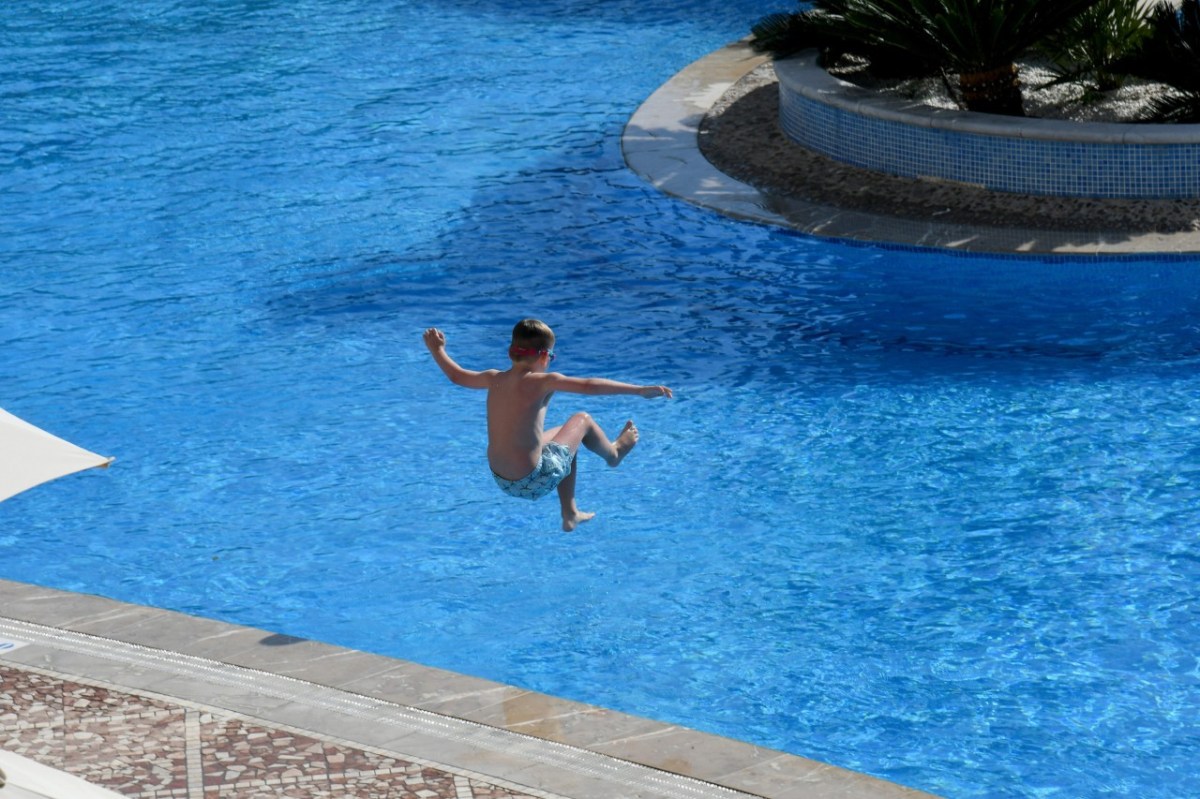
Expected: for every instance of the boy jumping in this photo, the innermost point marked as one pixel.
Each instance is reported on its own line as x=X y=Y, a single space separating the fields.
x=526 y=460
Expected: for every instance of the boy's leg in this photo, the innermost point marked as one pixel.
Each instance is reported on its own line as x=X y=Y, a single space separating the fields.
x=582 y=429
x=572 y=516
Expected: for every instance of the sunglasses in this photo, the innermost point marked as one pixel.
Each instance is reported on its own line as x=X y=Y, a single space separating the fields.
x=524 y=352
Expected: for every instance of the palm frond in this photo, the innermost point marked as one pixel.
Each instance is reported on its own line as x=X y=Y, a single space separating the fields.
x=978 y=40
x=1178 y=108
x=960 y=35
x=1090 y=48
x=1171 y=53
x=779 y=34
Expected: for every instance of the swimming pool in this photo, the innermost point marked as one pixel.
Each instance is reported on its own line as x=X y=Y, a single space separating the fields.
x=923 y=516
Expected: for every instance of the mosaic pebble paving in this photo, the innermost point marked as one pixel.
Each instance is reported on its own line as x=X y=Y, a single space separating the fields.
x=145 y=747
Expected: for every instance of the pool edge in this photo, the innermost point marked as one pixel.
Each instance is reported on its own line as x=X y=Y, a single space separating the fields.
x=538 y=725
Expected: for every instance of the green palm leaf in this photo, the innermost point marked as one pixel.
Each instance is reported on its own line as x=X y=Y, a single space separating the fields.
x=1091 y=47
x=1171 y=54
x=977 y=39
x=1181 y=108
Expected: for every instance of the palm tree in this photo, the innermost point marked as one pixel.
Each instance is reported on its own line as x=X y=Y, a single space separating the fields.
x=826 y=29
x=978 y=40
x=1171 y=55
x=1093 y=48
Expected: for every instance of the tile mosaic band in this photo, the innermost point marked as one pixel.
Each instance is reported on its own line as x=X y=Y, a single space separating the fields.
x=1022 y=156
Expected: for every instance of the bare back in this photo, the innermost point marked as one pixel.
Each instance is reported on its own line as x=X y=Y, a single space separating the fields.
x=516 y=413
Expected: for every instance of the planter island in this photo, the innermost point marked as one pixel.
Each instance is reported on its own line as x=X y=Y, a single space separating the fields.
x=1023 y=155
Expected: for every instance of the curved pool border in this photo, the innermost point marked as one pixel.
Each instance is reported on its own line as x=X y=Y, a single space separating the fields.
x=1047 y=157
x=660 y=145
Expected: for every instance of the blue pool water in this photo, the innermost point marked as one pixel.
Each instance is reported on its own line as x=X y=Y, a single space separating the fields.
x=929 y=517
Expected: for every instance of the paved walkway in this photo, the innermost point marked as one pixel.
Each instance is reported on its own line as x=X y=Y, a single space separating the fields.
x=155 y=704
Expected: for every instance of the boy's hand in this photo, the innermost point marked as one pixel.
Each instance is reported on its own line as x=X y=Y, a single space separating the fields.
x=435 y=339
x=650 y=392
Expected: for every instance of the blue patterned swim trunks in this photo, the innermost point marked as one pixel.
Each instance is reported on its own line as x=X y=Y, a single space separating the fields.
x=553 y=465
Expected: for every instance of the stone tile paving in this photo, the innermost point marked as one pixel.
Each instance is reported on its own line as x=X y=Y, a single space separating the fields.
x=153 y=748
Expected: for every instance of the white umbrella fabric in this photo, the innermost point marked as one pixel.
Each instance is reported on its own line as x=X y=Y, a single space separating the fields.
x=30 y=455
x=22 y=778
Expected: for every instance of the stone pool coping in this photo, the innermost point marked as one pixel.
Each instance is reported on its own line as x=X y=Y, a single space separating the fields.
x=660 y=144
x=494 y=732
x=806 y=76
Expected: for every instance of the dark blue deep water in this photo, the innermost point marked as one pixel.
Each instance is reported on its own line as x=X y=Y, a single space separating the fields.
x=930 y=517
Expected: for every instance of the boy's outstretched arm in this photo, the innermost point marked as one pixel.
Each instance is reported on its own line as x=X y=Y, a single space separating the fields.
x=602 y=385
x=435 y=340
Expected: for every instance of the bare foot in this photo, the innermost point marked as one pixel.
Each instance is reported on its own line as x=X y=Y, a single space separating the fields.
x=625 y=442
x=576 y=518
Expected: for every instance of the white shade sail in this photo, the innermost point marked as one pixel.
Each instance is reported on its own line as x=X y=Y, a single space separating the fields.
x=22 y=778
x=30 y=455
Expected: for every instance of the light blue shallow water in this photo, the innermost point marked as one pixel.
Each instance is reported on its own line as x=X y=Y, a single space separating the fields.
x=932 y=518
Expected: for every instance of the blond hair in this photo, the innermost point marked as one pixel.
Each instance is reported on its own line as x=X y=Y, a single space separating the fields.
x=530 y=338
